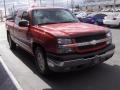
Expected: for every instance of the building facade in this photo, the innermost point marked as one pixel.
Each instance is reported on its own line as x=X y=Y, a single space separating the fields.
x=102 y=5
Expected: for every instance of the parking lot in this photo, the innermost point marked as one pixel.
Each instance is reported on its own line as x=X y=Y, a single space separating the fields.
x=103 y=77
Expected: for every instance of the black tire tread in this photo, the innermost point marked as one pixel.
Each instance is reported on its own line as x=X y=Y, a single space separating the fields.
x=47 y=71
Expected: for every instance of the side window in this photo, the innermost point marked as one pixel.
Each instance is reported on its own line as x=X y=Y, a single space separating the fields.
x=18 y=17
x=25 y=16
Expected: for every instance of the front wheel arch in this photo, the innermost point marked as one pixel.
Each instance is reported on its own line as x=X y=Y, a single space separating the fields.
x=35 y=45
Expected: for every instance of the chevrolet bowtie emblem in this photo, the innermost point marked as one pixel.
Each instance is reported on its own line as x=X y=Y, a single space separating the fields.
x=94 y=42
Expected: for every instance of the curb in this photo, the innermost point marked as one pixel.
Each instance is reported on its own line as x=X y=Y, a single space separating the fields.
x=10 y=79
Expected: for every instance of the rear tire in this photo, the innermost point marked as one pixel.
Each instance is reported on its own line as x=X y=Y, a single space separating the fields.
x=41 y=61
x=11 y=42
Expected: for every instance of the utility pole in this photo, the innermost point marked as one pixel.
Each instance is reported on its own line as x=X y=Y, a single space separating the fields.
x=13 y=6
x=72 y=5
x=53 y=3
x=67 y=4
x=29 y=2
x=40 y=2
x=5 y=7
x=114 y=5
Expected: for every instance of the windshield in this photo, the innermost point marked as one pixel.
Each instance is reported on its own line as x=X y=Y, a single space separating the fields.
x=52 y=16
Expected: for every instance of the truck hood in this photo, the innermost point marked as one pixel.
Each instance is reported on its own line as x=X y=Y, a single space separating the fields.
x=72 y=29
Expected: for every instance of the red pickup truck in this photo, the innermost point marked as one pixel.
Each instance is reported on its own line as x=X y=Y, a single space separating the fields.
x=57 y=40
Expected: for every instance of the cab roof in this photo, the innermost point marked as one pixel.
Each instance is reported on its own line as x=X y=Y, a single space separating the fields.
x=37 y=8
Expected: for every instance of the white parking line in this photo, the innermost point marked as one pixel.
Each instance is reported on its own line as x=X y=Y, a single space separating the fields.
x=10 y=75
x=3 y=40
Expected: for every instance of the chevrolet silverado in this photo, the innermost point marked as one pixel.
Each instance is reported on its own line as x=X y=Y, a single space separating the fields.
x=57 y=40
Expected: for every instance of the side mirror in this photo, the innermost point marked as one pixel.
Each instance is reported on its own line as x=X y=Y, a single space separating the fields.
x=23 y=23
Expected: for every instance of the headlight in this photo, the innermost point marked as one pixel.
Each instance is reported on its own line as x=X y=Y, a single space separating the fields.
x=109 y=36
x=61 y=48
x=64 y=41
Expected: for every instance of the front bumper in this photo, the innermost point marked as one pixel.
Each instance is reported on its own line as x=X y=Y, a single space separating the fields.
x=69 y=64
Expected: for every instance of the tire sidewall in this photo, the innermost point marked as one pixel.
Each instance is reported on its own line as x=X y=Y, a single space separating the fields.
x=11 y=42
x=38 y=50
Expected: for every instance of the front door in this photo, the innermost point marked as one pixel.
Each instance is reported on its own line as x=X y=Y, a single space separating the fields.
x=24 y=33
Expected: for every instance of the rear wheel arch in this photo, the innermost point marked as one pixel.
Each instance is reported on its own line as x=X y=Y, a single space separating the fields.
x=8 y=33
x=12 y=44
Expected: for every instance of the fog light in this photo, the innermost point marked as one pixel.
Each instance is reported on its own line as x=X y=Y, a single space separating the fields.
x=51 y=64
x=109 y=36
x=61 y=64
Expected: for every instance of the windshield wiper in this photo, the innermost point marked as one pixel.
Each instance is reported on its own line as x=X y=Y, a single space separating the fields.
x=47 y=23
x=68 y=22
x=56 y=22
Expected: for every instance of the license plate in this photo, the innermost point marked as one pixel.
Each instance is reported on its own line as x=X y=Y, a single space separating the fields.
x=96 y=60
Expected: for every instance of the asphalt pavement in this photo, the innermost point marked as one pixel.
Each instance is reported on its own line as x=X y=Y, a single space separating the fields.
x=5 y=81
x=102 y=77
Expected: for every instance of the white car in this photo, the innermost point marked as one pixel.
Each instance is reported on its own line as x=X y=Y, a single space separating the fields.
x=112 y=20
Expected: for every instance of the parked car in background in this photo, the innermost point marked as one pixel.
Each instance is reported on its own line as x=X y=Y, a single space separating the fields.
x=89 y=18
x=76 y=13
x=94 y=18
x=117 y=9
x=98 y=19
x=11 y=16
x=1 y=15
x=81 y=15
x=112 y=20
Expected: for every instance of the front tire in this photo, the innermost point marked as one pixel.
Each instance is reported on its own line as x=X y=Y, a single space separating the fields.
x=11 y=42
x=41 y=61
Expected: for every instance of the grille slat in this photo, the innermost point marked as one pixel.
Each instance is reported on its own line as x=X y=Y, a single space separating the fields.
x=88 y=39
x=90 y=46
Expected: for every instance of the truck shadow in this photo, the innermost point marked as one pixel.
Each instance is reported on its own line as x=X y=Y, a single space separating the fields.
x=102 y=77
